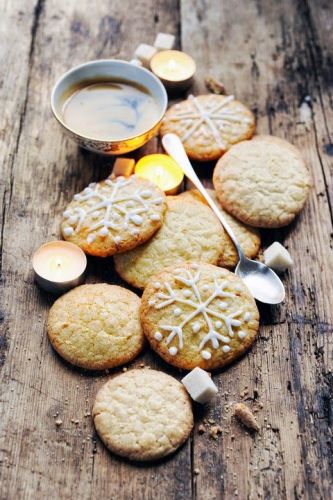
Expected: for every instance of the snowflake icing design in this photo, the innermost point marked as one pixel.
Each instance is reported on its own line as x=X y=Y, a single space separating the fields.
x=111 y=209
x=218 y=119
x=213 y=318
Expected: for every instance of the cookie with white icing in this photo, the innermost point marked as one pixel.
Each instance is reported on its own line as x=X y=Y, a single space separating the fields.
x=248 y=237
x=143 y=414
x=114 y=215
x=96 y=326
x=263 y=182
x=198 y=315
x=209 y=124
x=190 y=231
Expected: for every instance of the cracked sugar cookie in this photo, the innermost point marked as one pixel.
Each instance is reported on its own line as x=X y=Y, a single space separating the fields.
x=190 y=231
x=198 y=315
x=143 y=414
x=248 y=237
x=114 y=215
x=209 y=124
x=96 y=326
x=263 y=182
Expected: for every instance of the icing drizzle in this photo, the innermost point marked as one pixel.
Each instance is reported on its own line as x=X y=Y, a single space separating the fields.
x=111 y=207
x=212 y=314
x=217 y=119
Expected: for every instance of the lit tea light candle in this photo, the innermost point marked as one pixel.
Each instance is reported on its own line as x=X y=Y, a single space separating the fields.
x=174 y=68
x=59 y=266
x=162 y=170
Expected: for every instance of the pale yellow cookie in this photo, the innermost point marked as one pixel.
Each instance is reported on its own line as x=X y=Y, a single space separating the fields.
x=263 y=182
x=209 y=124
x=190 y=232
x=114 y=215
x=198 y=315
x=96 y=326
x=248 y=237
x=143 y=414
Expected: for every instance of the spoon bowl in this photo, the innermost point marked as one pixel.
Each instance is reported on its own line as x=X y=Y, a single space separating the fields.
x=262 y=281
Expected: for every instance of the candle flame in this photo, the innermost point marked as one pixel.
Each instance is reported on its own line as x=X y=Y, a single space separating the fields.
x=172 y=64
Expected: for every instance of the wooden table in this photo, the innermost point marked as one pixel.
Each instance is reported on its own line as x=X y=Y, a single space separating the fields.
x=277 y=58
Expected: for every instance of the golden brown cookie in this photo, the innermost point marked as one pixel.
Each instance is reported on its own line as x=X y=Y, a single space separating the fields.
x=96 y=326
x=114 y=215
x=248 y=237
x=143 y=414
x=209 y=124
x=190 y=232
x=198 y=315
x=263 y=182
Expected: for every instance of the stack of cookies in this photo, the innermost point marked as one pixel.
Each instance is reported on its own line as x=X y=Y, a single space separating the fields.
x=100 y=326
x=194 y=311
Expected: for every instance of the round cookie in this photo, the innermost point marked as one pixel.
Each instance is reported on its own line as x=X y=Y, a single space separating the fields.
x=96 y=326
x=190 y=232
x=248 y=237
x=209 y=124
x=143 y=414
x=198 y=315
x=263 y=182
x=114 y=215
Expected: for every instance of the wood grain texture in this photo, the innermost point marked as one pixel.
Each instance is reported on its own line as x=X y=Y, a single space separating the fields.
x=271 y=55
x=273 y=63
x=38 y=458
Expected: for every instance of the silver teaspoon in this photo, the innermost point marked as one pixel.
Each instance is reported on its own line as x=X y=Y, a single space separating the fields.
x=262 y=281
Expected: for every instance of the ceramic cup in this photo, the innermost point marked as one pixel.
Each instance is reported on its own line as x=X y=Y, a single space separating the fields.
x=108 y=69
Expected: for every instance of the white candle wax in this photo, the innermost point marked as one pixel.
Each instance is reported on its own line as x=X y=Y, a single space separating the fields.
x=162 y=170
x=174 y=68
x=59 y=266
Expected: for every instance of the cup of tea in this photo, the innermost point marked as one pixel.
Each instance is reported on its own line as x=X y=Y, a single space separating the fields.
x=109 y=106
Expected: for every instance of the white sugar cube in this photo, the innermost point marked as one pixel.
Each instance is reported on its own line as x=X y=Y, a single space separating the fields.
x=144 y=53
x=136 y=62
x=199 y=385
x=164 y=41
x=277 y=257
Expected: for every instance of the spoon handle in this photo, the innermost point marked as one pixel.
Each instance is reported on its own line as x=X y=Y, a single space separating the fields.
x=173 y=145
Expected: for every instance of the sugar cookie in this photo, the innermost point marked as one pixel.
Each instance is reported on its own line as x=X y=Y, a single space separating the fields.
x=248 y=237
x=209 y=124
x=190 y=232
x=96 y=326
x=114 y=215
x=263 y=182
x=198 y=315
x=143 y=414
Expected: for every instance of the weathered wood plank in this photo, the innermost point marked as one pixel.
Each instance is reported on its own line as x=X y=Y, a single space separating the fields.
x=18 y=22
x=21 y=24
x=264 y=53
x=319 y=38
x=271 y=58
x=39 y=458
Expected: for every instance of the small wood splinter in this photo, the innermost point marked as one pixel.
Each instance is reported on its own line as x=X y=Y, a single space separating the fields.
x=214 y=86
x=245 y=415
